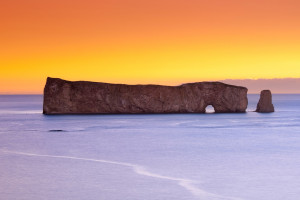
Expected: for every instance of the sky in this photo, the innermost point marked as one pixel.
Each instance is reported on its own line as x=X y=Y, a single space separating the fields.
x=141 y=41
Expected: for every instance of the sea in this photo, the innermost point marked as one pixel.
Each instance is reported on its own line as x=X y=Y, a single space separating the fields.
x=246 y=156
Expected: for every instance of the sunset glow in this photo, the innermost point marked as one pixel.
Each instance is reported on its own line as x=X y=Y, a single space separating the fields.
x=137 y=41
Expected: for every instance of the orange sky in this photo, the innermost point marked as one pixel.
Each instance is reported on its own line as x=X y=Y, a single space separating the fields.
x=143 y=41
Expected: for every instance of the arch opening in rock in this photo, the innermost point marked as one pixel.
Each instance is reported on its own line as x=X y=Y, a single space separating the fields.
x=210 y=109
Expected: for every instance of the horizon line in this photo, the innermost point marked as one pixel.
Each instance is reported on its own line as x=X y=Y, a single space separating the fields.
x=20 y=94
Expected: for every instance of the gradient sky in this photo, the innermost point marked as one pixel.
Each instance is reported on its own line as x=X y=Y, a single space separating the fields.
x=142 y=41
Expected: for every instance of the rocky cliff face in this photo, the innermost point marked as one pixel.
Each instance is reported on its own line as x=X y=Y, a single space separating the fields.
x=265 y=102
x=82 y=97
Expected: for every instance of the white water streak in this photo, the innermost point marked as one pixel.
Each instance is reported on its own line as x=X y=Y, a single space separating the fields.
x=189 y=185
x=20 y=111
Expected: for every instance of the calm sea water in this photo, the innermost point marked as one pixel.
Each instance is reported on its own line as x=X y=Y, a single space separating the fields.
x=249 y=156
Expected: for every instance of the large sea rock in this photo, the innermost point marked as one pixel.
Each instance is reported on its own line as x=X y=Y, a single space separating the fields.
x=83 y=97
x=265 y=104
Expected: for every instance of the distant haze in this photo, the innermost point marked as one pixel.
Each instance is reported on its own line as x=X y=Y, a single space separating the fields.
x=285 y=86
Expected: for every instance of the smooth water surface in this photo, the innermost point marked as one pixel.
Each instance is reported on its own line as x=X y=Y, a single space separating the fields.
x=248 y=156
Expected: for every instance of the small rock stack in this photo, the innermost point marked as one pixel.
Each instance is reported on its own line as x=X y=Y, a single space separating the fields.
x=265 y=102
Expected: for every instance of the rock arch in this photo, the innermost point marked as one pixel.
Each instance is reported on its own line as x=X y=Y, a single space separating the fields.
x=83 y=97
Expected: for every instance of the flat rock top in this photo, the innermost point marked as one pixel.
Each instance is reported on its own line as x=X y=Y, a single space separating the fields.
x=49 y=79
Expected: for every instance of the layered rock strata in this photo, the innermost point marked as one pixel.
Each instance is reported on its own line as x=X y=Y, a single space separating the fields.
x=82 y=97
x=265 y=104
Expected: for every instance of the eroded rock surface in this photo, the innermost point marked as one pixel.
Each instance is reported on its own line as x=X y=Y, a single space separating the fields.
x=265 y=102
x=83 y=97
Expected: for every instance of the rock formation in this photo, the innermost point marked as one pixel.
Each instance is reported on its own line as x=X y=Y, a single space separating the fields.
x=265 y=102
x=82 y=97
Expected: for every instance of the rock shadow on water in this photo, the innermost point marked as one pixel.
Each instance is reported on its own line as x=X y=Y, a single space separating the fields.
x=57 y=130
